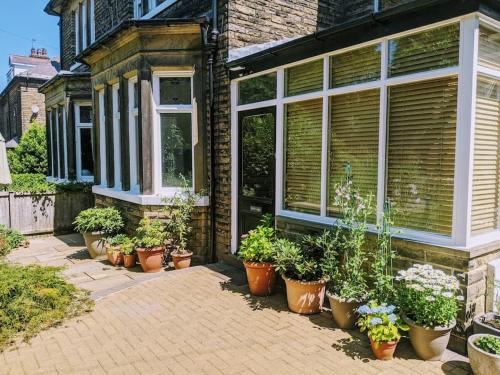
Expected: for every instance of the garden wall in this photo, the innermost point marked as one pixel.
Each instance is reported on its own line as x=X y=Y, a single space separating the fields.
x=33 y=214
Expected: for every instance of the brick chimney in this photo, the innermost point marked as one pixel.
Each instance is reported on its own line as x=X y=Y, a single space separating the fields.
x=40 y=53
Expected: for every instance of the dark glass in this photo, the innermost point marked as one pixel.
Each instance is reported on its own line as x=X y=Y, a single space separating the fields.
x=85 y=114
x=86 y=150
x=136 y=95
x=257 y=89
x=175 y=91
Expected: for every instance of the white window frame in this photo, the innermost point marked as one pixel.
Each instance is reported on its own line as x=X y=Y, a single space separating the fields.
x=78 y=127
x=154 y=8
x=85 y=42
x=133 y=113
x=102 y=140
x=51 y=127
x=65 y=137
x=158 y=110
x=115 y=105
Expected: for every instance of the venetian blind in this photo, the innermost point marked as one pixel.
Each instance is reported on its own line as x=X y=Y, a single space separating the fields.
x=486 y=181
x=421 y=154
x=302 y=179
x=304 y=78
x=489 y=47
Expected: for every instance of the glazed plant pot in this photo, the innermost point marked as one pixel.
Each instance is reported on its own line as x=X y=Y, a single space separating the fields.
x=261 y=278
x=151 y=259
x=305 y=297
x=94 y=241
x=481 y=362
x=487 y=323
x=384 y=350
x=129 y=261
x=429 y=342
x=181 y=261
x=344 y=312
x=115 y=256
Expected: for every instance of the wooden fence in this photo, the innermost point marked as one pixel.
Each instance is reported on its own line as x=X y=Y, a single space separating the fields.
x=42 y=213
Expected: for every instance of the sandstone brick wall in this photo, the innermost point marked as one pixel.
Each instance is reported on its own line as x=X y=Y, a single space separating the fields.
x=68 y=38
x=109 y=14
x=30 y=97
x=186 y=9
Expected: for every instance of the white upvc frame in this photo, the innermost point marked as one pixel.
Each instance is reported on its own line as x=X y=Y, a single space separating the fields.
x=154 y=9
x=85 y=26
x=78 y=149
x=59 y=171
x=158 y=110
x=77 y=29
x=467 y=45
x=65 y=137
x=51 y=127
x=102 y=140
x=117 y=152
x=133 y=114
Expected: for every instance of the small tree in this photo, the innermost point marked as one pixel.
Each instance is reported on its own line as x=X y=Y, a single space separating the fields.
x=30 y=156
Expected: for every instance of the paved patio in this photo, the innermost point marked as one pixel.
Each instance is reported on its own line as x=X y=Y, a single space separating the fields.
x=196 y=321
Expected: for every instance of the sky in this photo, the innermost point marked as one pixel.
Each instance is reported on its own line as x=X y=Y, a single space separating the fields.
x=20 y=22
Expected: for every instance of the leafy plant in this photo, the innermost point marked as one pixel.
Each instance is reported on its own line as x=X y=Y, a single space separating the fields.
x=107 y=220
x=128 y=248
x=258 y=245
x=10 y=239
x=30 y=156
x=428 y=296
x=119 y=239
x=489 y=344
x=295 y=262
x=381 y=322
x=150 y=234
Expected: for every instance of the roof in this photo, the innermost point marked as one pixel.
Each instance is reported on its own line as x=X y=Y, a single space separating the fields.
x=43 y=68
x=61 y=75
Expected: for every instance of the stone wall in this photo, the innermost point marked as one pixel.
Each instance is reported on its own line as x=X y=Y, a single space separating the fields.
x=109 y=14
x=29 y=98
x=68 y=38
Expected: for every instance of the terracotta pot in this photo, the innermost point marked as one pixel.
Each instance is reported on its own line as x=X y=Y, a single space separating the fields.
x=129 y=260
x=151 y=259
x=344 y=312
x=481 y=362
x=94 y=241
x=115 y=256
x=261 y=278
x=181 y=260
x=305 y=297
x=384 y=350
x=429 y=342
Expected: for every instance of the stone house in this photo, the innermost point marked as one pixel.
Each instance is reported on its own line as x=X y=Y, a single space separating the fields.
x=259 y=104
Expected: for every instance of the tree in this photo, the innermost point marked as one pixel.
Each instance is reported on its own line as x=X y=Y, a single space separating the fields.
x=30 y=156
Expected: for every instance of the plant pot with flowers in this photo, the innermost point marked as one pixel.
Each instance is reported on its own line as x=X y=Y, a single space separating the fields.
x=95 y=224
x=382 y=324
x=428 y=299
x=484 y=354
x=114 y=248
x=257 y=252
x=150 y=244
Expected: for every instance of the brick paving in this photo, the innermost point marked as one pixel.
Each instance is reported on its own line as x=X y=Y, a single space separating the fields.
x=202 y=321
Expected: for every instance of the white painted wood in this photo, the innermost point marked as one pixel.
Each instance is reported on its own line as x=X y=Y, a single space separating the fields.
x=234 y=167
x=79 y=125
x=116 y=137
x=133 y=113
x=102 y=139
x=325 y=123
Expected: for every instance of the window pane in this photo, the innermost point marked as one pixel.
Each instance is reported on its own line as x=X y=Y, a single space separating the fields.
x=86 y=151
x=176 y=149
x=361 y=65
x=486 y=183
x=489 y=47
x=137 y=149
x=433 y=49
x=85 y=114
x=175 y=90
x=257 y=89
x=136 y=95
x=421 y=154
x=354 y=128
x=303 y=156
x=304 y=78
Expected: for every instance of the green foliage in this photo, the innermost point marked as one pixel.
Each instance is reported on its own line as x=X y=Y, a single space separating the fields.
x=380 y=322
x=296 y=262
x=9 y=240
x=36 y=183
x=489 y=344
x=258 y=245
x=30 y=156
x=35 y=298
x=150 y=234
x=107 y=220
x=125 y=243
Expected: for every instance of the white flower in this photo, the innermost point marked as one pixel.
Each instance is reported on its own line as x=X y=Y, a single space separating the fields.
x=430 y=298
x=447 y=294
x=460 y=298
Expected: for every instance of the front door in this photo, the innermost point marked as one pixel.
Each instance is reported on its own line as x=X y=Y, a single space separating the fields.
x=257 y=130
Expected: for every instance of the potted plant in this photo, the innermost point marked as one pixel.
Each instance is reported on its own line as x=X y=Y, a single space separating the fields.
x=114 y=247
x=150 y=244
x=128 y=252
x=429 y=302
x=257 y=252
x=303 y=275
x=484 y=354
x=178 y=210
x=487 y=323
x=382 y=325
x=95 y=224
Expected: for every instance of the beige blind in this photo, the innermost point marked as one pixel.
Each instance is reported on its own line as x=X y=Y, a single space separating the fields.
x=304 y=78
x=354 y=129
x=421 y=154
x=433 y=49
x=489 y=47
x=356 y=66
x=303 y=156
x=486 y=181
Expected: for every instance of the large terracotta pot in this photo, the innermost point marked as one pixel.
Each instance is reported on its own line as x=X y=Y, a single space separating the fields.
x=481 y=362
x=151 y=259
x=344 y=312
x=383 y=350
x=95 y=244
x=261 y=278
x=429 y=342
x=115 y=256
x=181 y=261
x=129 y=260
x=305 y=297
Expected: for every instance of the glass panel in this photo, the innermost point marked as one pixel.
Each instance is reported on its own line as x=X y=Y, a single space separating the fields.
x=486 y=182
x=86 y=152
x=303 y=124
x=421 y=154
x=428 y=50
x=489 y=47
x=257 y=155
x=304 y=78
x=85 y=114
x=361 y=65
x=137 y=149
x=136 y=95
x=354 y=128
x=175 y=90
x=257 y=89
x=176 y=149
x=144 y=5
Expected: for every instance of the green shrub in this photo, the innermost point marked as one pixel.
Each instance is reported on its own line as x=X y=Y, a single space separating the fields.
x=30 y=156
x=10 y=239
x=489 y=344
x=30 y=183
x=258 y=245
x=118 y=240
x=150 y=234
x=295 y=262
x=107 y=220
x=35 y=298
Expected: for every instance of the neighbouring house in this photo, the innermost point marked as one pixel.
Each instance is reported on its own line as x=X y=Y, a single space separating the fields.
x=20 y=101
x=261 y=104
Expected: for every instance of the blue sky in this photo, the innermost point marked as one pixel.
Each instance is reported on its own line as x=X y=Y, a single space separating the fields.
x=21 y=21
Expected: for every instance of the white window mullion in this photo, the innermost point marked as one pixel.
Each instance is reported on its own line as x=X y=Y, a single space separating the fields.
x=102 y=140
x=65 y=143
x=57 y=143
x=280 y=140
x=77 y=30
x=92 y=21
x=133 y=136
x=84 y=25
x=116 y=136
x=324 y=139
x=51 y=125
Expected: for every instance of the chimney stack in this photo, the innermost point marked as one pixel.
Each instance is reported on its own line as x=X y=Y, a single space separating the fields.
x=40 y=53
